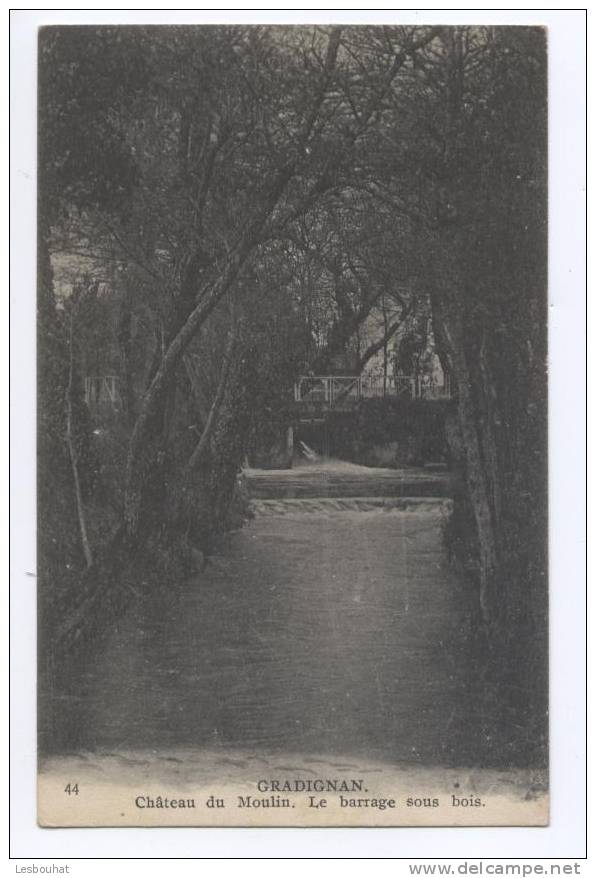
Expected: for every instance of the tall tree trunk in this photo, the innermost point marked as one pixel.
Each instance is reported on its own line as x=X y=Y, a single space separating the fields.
x=71 y=442
x=448 y=325
x=125 y=342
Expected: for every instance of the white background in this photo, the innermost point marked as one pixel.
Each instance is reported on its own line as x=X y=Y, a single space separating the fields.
x=564 y=838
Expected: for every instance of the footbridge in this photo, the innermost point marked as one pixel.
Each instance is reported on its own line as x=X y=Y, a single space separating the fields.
x=344 y=391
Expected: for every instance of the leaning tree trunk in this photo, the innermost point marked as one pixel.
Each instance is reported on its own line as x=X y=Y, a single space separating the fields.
x=144 y=444
x=205 y=438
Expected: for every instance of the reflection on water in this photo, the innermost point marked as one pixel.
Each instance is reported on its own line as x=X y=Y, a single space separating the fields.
x=318 y=631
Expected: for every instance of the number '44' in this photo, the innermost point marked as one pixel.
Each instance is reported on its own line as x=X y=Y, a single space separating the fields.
x=72 y=789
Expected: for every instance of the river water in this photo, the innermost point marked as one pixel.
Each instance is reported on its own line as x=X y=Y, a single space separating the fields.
x=326 y=625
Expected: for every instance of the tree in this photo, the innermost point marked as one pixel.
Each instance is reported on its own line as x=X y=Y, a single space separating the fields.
x=199 y=206
x=260 y=193
x=465 y=159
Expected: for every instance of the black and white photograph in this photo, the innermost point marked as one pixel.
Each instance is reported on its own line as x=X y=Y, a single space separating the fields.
x=292 y=481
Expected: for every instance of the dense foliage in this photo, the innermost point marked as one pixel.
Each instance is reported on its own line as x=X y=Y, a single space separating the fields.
x=221 y=209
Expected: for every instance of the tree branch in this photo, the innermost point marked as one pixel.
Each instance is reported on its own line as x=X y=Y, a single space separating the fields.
x=377 y=345
x=210 y=296
x=211 y=421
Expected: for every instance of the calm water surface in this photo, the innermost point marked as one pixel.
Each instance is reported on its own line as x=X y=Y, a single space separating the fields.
x=315 y=630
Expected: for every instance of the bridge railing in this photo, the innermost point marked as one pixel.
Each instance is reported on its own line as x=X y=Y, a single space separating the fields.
x=328 y=388
x=332 y=390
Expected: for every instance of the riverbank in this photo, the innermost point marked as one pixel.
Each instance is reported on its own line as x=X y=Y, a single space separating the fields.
x=328 y=632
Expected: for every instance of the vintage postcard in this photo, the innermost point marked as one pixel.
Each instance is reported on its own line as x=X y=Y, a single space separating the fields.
x=292 y=426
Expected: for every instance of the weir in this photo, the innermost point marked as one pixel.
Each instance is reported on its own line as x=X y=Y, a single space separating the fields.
x=392 y=431
x=315 y=629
